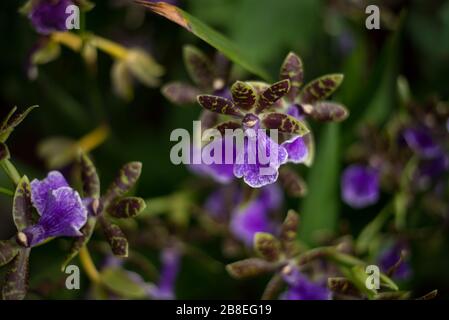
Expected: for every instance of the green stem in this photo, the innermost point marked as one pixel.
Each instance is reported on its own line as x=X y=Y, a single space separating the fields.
x=11 y=171
x=6 y=191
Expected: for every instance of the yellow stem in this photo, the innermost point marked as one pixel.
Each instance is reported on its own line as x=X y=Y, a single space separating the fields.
x=75 y=42
x=89 y=265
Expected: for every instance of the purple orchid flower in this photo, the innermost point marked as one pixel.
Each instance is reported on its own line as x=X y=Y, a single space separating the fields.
x=301 y=287
x=60 y=207
x=165 y=288
x=296 y=146
x=389 y=257
x=253 y=217
x=360 y=186
x=421 y=142
x=49 y=16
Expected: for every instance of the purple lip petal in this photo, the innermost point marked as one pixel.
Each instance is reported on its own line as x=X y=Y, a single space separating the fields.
x=248 y=220
x=41 y=190
x=360 y=186
x=271 y=196
x=49 y=16
x=257 y=173
x=296 y=148
x=421 y=142
x=302 y=288
x=64 y=215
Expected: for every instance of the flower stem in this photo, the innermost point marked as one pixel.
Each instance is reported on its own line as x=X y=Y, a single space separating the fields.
x=89 y=265
x=6 y=191
x=11 y=171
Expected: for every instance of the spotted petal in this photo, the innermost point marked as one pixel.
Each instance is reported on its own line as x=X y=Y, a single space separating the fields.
x=321 y=88
x=284 y=123
x=272 y=94
x=244 y=95
x=199 y=67
x=292 y=69
x=219 y=105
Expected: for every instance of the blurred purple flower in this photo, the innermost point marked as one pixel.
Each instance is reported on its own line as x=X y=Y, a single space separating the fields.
x=48 y=16
x=301 y=287
x=165 y=288
x=61 y=210
x=389 y=257
x=360 y=186
x=253 y=217
x=421 y=142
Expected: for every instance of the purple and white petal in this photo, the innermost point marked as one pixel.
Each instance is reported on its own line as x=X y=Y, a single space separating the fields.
x=297 y=149
x=41 y=189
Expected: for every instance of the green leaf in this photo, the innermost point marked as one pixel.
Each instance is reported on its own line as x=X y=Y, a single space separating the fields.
x=284 y=123
x=125 y=180
x=199 y=67
x=180 y=93
x=320 y=88
x=8 y=250
x=79 y=242
x=244 y=95
x=126 y=207
x=319 y=210
x=22 y=207
x=293 y=70
x=89 y=177
x=115 y=237
x=204 y=32
x=16 y=279
x=267 y=246
x=119 y=282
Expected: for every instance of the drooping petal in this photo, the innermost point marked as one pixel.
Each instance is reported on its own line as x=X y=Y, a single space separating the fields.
x=199 y=67
x=360 y=186
x=248 y=220
x=41 y=190
x=296 y=148
x=64 y=215
x=301 y=287
x=180 y=93
x=219 y=105
x=259 y=161
x=284 y=123
x=421 y=141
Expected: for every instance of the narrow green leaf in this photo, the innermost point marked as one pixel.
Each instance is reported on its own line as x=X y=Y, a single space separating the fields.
x=320 y=208
x=204 y=32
